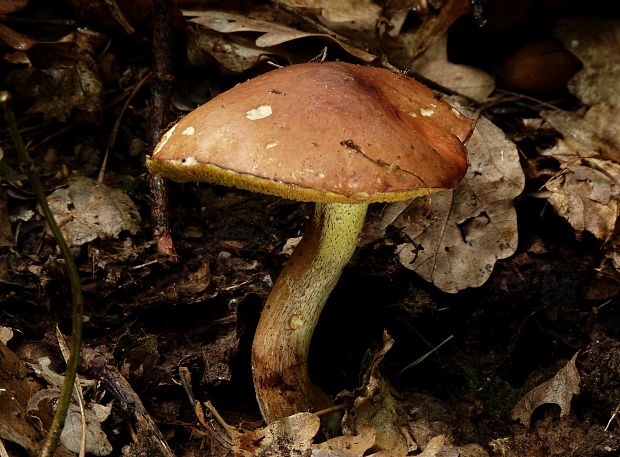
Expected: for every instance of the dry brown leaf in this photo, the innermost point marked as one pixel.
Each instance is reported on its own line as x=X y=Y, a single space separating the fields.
x=6 y=231
x=287 y=436
x=85 y=210
x=462 y=79
x=220 y=37
x=353 y=446
x=587 y=196
x=472 y=450
x=11 y=6
x=343 y=14
x=403 y=48
x=586 y=190
x=15 y=391
x=458 y=235
x=374 y=408
x=6 y=333
x=60 y=89
x=597 y=132
x=436 y=25
x=234 y=55
x=96 y=440
x=16 y=40
x=558 y=390
x=434 y=447
x=595 y=42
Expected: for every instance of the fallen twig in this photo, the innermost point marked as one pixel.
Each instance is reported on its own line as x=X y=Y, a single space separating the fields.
x=31 y=170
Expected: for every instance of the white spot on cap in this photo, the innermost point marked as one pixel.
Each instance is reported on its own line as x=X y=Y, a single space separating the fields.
x=164 y=139
x=188 y=131
x=260 y=112
x=456 y=112
x=189 y=161
x=412 y=114
x=427 y=111
x=273 y=144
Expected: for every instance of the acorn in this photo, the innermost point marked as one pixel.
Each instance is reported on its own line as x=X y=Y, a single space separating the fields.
x=539 y=67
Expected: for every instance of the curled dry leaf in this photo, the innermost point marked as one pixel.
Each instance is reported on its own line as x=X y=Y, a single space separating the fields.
x=6 y=231
x=437 y=25
x=16 y=40
x=375 y=409
x=587 y=196
x=73 y=84
x=6 y=333
x=404 y=46
x=218 y=39
x=15 y=392
x=287 y=436
x=355 y=445
x=341 y=15
x=233 y=55
x=462 y=79
x=434 y=447
x=11 y=6
x=86 y=209
x=458 y=235
x=594 y=133
x=558 y=390
x=595 y=42
x=585 y=192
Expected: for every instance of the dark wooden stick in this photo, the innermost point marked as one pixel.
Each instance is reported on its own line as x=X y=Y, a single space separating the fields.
x=160 y=117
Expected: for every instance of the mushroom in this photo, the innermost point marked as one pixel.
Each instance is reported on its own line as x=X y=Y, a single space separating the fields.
x=333 y=133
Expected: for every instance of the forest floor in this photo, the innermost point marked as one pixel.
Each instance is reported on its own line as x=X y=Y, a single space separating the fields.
x=548 y=311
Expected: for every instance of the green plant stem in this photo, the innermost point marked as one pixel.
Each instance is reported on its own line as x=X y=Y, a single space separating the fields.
x=31 y=169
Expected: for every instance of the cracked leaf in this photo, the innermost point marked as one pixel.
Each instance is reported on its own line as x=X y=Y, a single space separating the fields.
x=458 y=235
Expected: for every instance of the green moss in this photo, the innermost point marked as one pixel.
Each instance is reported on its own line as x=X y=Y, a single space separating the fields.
x=479 y=382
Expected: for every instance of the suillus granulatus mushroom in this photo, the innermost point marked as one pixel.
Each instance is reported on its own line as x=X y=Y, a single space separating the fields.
x=333 y=133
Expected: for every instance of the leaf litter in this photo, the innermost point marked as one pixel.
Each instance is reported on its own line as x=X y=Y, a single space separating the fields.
x=458 y=235
x=585 y=191
x=130 y=289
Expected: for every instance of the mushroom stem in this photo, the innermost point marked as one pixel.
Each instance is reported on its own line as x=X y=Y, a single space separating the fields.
x=282 y=340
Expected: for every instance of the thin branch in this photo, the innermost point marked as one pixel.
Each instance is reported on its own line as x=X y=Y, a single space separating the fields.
x=160 y=99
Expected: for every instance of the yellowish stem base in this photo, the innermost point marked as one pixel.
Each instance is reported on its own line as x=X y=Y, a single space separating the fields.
x=282 y=341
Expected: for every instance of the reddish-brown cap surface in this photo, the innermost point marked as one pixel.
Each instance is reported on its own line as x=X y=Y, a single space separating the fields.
x=329 y=132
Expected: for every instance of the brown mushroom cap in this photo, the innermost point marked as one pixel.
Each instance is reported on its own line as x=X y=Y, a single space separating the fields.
x=328 y=132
